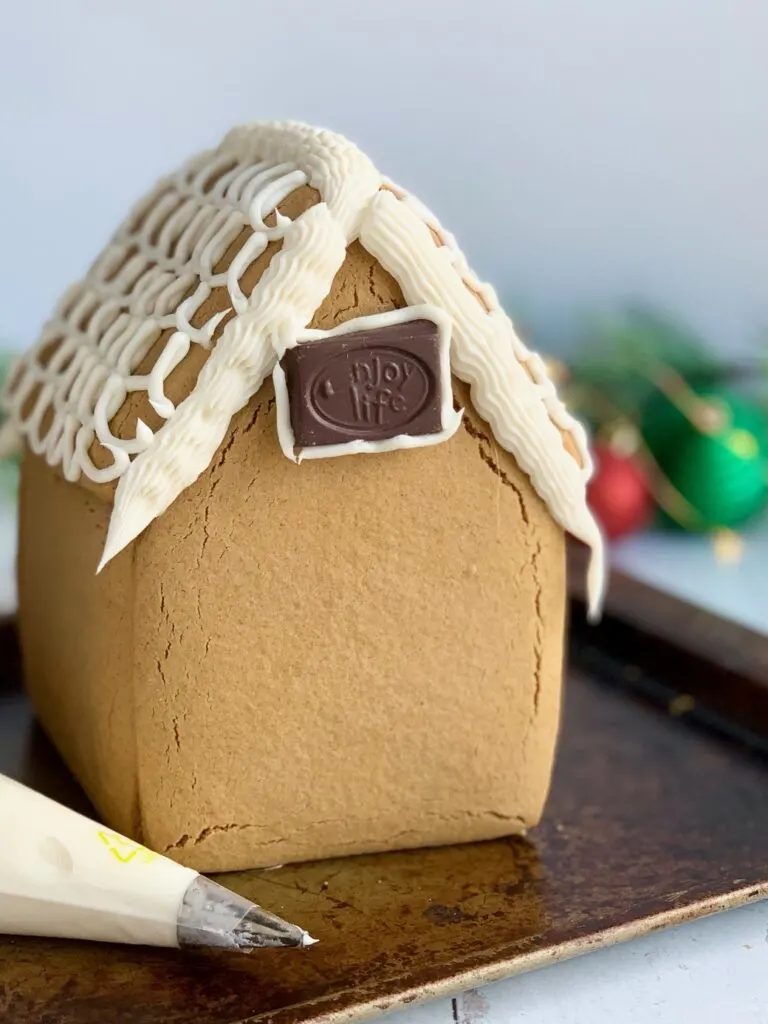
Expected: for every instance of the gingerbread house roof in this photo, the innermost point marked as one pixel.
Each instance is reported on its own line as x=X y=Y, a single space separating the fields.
x=161 y=267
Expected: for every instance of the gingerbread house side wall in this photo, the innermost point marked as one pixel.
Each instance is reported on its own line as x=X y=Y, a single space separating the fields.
x=303 y=692
x=300 y=691
x=76 y=632
x=542 y=605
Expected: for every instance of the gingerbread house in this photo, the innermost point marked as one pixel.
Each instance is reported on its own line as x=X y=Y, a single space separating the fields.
x=325 y=487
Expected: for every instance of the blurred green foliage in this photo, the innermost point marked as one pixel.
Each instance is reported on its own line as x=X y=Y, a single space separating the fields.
x=621 y=352
x=9 y=466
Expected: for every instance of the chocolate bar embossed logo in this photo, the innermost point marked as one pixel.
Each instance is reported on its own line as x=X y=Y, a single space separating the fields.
x=371 y=391
x=373 y=384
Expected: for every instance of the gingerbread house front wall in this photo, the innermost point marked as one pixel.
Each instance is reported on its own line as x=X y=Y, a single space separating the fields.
x=356 y=654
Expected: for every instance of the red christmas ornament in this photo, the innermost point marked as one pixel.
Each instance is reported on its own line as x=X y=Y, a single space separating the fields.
x=619 y=493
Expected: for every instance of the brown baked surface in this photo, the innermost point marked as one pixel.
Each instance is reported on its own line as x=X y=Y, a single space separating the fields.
x=76 y=631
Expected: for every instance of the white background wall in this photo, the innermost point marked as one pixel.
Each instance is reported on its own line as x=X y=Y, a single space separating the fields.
x=583 y=151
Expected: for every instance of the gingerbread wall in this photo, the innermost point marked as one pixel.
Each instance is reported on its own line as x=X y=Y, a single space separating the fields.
x=77 y=639
x=353 y=654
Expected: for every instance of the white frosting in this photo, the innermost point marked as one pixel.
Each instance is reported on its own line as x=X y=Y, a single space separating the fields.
x=449 y=417
x=135 y=290
x=524 y=414
x=158 y=271
x=345 y=178
x=290 y=290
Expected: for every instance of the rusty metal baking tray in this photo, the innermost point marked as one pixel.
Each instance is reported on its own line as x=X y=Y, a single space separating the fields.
x=658 y=814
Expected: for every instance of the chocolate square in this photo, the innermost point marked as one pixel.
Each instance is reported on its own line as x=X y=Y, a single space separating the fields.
x=367 y=385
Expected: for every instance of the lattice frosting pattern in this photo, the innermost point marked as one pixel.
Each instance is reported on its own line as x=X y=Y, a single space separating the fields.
x=153 y=277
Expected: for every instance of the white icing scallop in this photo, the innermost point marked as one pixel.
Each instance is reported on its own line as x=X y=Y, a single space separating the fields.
x=449 y=417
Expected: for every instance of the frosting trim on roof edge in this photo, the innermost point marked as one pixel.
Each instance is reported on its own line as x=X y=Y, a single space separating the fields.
x=524 y=414
x=313 y=250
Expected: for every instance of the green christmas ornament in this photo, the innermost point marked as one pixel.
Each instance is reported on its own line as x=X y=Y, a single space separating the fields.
x=711 y=446
x=662 y=421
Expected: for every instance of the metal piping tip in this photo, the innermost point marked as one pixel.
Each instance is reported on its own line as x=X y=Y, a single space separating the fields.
x=213 y=916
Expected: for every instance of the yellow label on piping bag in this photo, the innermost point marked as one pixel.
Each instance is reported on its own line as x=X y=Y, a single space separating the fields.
x=126 y=850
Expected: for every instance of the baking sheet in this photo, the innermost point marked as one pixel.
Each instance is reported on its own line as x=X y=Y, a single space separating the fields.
x=658 y=814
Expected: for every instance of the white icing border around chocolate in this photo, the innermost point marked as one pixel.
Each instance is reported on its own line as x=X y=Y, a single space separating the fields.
x=449 y=417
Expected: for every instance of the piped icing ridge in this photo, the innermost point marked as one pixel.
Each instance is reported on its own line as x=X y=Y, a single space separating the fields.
x=508 y=383
x=158 y=271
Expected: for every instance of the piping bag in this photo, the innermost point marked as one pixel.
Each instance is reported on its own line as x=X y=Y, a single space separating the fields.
x=63 y=875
